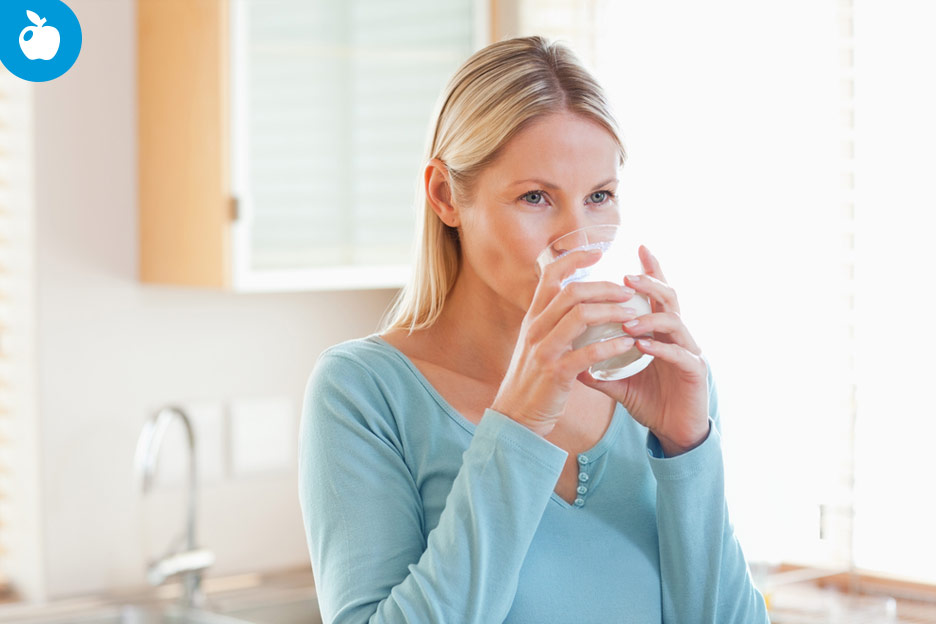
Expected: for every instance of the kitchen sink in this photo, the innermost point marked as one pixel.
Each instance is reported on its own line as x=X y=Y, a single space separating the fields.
x=133 y=614
x=301 y=611
x=286 y=597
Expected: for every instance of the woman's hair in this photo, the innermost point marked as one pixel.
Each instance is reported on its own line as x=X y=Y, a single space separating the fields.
x=496 y=93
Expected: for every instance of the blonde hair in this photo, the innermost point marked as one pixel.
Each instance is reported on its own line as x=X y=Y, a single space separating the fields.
x=497 y=92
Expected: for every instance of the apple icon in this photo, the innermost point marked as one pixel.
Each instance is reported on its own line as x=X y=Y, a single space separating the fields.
x=44 y=42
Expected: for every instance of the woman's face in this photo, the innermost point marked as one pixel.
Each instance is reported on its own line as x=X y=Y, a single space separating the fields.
x=557 y=175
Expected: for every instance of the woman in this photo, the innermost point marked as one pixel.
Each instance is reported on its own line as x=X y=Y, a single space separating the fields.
x=462 y=465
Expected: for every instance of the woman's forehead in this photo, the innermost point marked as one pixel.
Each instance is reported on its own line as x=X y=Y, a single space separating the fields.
x=558 y=142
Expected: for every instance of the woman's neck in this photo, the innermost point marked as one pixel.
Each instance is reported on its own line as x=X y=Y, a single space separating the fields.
x=477 y=329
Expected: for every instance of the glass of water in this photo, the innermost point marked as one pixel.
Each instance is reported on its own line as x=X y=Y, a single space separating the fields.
x=619 y=258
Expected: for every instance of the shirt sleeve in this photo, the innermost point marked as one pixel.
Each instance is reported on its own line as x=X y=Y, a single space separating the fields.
x=362 y=513
x=705 y=577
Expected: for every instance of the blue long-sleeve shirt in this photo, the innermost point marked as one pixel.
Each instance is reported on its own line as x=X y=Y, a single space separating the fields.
x=415 y=514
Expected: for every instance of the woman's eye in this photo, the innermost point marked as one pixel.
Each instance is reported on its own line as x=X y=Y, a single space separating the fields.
x=535 y=195
x=602 y=196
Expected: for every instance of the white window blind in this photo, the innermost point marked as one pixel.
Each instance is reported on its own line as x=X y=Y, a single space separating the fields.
x=780 y=166
x=20 y=519
x=895 y=203
x=339 y=98
x=6 y=412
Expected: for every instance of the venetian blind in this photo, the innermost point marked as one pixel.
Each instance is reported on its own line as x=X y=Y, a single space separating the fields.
x=732 y=119
x=895 y=204
x=20 y=520
x=780 y=165
x=338 y=100
x=6 y=413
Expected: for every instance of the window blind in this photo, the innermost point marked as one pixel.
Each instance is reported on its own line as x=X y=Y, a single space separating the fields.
x=738 y=120
x=5 y=407
x=20 y=518
x=340 y=96
x=895 y=204
x=780 y=165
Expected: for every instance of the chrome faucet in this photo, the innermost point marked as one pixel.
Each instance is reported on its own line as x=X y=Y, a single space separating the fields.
x=193 y=560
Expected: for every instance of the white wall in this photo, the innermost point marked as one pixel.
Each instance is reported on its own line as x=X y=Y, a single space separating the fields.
x=111 y=351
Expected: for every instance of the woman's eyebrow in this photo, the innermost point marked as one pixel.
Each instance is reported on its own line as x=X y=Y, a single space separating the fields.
x=550 y=185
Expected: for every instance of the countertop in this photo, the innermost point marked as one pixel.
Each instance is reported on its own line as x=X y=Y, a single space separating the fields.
x=222 y=594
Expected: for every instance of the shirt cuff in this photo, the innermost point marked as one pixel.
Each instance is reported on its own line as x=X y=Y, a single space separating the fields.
x=687 y=464
x=497 y=426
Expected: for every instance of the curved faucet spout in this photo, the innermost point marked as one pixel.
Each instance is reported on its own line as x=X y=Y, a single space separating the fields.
x=145 y=460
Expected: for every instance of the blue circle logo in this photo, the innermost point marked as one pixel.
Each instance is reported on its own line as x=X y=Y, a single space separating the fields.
x=39 y=39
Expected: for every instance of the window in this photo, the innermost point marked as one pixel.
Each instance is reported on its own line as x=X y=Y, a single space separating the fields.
x=780 y=165
x=329 y=122
x=6 y=413
x=20 y=522
x=895 y=202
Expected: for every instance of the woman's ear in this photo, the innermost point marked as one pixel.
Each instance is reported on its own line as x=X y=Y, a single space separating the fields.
x=439 y=192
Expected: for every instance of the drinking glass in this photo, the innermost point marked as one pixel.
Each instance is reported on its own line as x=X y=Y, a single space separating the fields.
x=619 y=258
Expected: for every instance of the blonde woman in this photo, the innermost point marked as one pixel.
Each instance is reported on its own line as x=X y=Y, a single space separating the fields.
x=462 y=465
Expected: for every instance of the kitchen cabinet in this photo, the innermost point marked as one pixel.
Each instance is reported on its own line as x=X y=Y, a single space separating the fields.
x=281 y=141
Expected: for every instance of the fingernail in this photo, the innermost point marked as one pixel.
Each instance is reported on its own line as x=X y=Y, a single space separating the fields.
x=643 y=342
x=634 y=278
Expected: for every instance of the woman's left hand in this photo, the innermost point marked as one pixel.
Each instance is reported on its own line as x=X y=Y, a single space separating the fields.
x=670 y=396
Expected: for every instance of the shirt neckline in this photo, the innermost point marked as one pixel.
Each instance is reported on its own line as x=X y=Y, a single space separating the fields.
x=592 y=454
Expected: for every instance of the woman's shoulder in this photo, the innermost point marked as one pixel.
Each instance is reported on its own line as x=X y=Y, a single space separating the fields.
x=360 y=380
x=370 y=368
x=361 y=349
x=360 y=359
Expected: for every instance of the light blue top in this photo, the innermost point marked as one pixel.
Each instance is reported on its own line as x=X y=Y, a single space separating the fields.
x=414 y=514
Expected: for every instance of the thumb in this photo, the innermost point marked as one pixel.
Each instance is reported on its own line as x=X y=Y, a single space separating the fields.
x=611 y=388
x=586 y=379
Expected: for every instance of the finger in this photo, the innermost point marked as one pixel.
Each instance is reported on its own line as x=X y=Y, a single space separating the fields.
x=660 y=292
x=551 y=276
x=572 y=295
x=586 y=379
x=650 y=263
x=674 y=354
x=577 y=360
x=663 y=323
x=578 y=319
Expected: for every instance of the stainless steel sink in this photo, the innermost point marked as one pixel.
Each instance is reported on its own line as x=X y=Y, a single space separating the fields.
x=134 y=614
x=299 y=611
x=284 y=597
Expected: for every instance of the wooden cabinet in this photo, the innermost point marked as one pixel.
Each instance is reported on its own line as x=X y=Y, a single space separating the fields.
x=186 y=207
x=280 y=141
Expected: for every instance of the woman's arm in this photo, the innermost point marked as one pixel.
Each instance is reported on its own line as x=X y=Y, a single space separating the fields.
x=705 y=577
x=363 y=516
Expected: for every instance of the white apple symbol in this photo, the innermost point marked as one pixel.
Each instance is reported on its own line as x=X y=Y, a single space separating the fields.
x=45 y=39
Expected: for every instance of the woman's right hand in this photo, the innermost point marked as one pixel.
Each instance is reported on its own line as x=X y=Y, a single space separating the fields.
x=544 y=366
